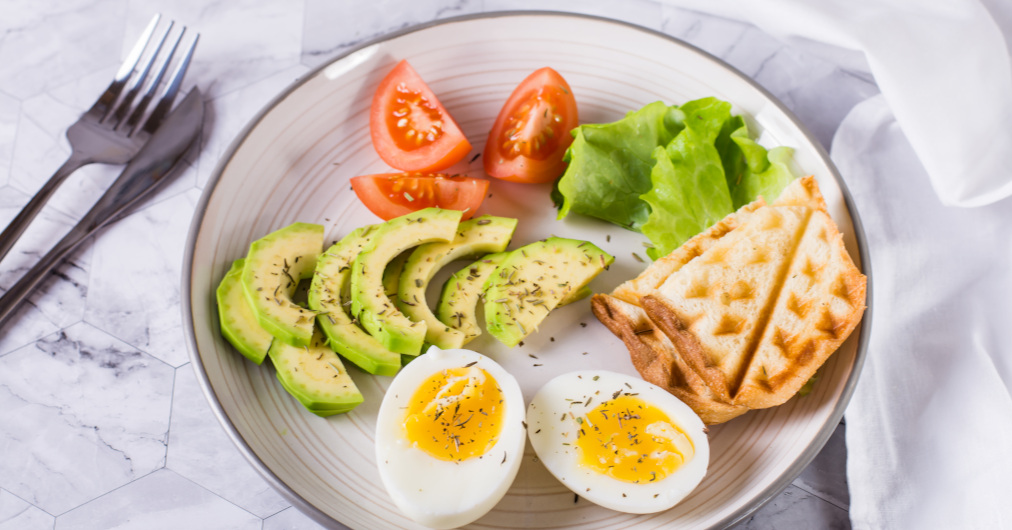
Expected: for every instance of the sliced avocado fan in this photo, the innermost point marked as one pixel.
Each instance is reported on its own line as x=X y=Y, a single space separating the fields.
x=369 y=301
x=533 y=280
x=238 y=322
x=328 y=296
x=482 y=235
x=275 y=265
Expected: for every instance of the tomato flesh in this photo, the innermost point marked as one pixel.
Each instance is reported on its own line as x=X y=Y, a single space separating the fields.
x=390 y=195
x=532 y=132
x=410 y=128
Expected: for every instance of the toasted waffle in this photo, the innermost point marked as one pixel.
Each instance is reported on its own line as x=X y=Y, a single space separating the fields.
x=714 y=309
x=742 y=315
x=659 y=270
x=818 y=306
x=655 y=358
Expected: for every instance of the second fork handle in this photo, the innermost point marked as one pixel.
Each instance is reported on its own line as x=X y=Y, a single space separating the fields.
x=24 y=218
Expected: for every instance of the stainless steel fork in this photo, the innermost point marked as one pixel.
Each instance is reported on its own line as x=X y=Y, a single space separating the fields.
x=112 y=131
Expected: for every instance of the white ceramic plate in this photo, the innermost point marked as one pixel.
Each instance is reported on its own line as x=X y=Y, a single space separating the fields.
x=293 y=162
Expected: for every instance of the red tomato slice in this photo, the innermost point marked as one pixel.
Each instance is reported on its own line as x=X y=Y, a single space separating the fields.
x=410 y=129
x=390 y=195
x=532 y=132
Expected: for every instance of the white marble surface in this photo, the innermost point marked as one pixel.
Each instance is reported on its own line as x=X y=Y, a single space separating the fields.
x=102 y=423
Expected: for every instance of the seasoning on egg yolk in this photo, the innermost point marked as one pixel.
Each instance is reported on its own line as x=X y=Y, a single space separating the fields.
x=456 y=414
x=631 y=440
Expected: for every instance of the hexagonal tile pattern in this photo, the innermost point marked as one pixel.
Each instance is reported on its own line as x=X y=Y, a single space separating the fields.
x=162 y=500
x=83 y=414
x=200 y=450
x=16 y=514
x=134 y=295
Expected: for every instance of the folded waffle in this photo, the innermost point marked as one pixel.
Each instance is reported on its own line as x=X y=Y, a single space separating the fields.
x=742 y=315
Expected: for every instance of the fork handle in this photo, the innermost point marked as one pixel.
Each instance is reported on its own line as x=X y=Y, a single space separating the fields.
x=17 y=227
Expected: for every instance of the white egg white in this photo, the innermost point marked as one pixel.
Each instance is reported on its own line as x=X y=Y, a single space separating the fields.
x=439 y=493
x=553 y=428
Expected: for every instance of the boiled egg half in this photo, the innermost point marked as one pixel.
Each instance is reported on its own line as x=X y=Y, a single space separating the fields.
x=618 y=441
x=450 y=437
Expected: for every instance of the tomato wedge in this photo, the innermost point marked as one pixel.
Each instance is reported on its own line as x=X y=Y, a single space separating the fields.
x=390 y=195
x=532 y=132
x=410 y=129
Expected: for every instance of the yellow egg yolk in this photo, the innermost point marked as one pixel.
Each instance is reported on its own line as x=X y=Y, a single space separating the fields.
x=631 y=440
x=456 y=414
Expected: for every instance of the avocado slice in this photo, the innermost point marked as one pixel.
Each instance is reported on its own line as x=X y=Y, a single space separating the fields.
x=239 y=324
x=315 y=376
x=533 y=279
x=271 y=274
x=459 y=299
x=475 y=237
x=374 y=309
x=328 y=295
x=575 y=295
x=392 y=273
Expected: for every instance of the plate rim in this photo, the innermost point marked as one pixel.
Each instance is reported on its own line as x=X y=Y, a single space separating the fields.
x=771 y=491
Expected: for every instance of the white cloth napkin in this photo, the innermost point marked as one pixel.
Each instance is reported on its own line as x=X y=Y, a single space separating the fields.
x=929 y=428
x=943 y=66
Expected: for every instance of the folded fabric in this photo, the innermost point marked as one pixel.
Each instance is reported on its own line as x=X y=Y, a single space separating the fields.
x=929 y=427
x=943 y=66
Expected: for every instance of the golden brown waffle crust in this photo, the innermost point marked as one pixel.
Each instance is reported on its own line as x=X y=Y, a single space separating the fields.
x=814 y=304
x=653 y=356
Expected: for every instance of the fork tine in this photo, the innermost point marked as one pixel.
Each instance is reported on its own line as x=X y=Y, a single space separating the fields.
x=124 y=106
x=171 y=89
x=138 y=113
x=104 y=103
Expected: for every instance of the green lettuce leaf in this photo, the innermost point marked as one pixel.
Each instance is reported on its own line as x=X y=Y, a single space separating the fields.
x=609 y=166
x=669 y=172
x=766 y=173
x=688 y=188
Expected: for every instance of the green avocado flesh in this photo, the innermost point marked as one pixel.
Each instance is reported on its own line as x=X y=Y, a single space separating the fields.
x=328 y=296
x=370 y=303
x=392 y=273
x=315 y=376
x=238 y=322
x=533 y=280
x=458 y=303
x=271 y=273
x=575 y=295
x=482 y=235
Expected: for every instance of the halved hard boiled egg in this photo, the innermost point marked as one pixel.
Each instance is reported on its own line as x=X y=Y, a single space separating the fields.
x=450 y=437
x=618 y=441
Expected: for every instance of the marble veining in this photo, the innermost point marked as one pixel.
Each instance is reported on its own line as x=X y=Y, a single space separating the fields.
x=57 y=303
x=18 y=514
x=102 y=422
x=83 y=413
x=135 y=295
